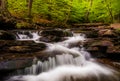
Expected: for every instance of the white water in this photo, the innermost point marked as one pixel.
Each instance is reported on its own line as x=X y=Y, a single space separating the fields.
x=32 y=36
x=70 y=63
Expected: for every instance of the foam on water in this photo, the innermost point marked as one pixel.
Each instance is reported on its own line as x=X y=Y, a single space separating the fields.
x=32 y=36
x=72 y=73
x=77 y=38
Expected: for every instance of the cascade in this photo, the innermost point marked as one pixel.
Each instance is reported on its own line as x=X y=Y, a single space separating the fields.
x=27 y=35
x=71 y=62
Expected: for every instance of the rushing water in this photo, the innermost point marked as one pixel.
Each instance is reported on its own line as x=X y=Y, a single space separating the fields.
x=70 y=63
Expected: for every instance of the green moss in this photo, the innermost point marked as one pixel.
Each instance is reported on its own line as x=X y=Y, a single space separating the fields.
x=23 y=25
x=117 y=31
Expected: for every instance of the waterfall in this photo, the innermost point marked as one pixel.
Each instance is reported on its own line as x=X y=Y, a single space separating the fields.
x=28 y=35
x=71 y=62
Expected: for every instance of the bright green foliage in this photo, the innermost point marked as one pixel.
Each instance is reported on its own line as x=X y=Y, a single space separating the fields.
x=17 y=7
x=69 y=11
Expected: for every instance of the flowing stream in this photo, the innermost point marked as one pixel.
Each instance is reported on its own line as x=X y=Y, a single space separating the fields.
x=71 y=62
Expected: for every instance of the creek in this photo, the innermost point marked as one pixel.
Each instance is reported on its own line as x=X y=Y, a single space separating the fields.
x=69 y=62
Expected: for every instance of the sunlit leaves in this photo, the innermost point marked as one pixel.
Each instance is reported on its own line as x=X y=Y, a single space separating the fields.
x=70 y=10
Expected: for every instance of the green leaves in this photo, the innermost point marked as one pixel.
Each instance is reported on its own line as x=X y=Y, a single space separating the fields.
x=68 y=10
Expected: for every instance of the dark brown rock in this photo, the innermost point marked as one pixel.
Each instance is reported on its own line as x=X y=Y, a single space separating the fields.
x=106 y=33
x=102 y=43
x=98 y=47
x=21 y=46
x=15 y=64
x=114 y=52
x=54 y=35
x=5 y=35
x=55 y=32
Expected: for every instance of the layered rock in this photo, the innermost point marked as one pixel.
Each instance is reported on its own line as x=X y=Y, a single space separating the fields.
x=54 y=35
x=4 y=35
x=103 y=43
x=103 y=40
x=18 y=54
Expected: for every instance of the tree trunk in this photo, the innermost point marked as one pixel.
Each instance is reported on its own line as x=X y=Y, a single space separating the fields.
x=3 y=9
x=88 y=12
x=30 y=7
x=68 y=13
x=109 y=10
x=0 y=3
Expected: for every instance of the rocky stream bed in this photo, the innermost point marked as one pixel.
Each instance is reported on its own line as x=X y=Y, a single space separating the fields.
x=103 y=42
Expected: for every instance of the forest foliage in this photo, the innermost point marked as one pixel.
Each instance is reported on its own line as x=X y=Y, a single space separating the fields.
x=67 y=11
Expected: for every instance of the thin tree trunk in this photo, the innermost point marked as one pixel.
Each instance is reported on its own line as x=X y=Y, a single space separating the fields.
x=30 y=7
x=88 y=12
x=110 y=11
x=0 y=3
x=68 y=14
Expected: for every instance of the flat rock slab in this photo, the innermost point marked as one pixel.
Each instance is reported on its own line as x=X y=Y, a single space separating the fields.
x=20 y=46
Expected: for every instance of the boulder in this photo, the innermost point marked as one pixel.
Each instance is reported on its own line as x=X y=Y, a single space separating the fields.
x=98 y=48
x=54 y=35
x=113 y=52
x=6 y=35
x=15 y=64
x=51 y=39
x=57 y=32
x=8 y=67
x=91 y=34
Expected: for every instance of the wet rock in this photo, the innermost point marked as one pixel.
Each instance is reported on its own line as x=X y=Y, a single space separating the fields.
x=106 y=43
x=113 y=52
x=92 y=49
x=5 y=35
x=106 y=33
x=18 y=54
x=19 y=49
x=8 y=67
x=15 y=64
x=51 y=39
x=10 y=50
x=54 y=35
x=91 y=34
x=99 y=45
x=21 y=46
x=98 y=48
x=114 y=63
x=56 y=32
